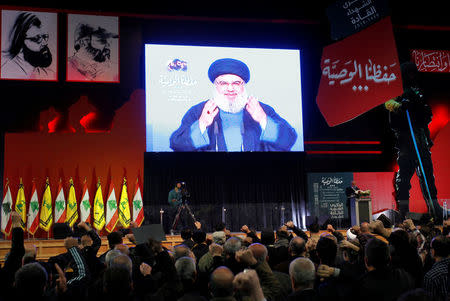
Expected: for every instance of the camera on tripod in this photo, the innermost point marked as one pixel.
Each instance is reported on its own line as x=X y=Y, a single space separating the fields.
x=183 y=206
x=184 y=192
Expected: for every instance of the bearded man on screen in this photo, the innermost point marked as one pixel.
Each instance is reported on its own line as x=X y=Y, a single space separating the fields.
x=231 y=120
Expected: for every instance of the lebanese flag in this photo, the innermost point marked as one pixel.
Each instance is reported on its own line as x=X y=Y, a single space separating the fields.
x=60 y=205
x=33 y=211
x=138 y=206
x=6 y=210
x=85 y=205
x=112 y=214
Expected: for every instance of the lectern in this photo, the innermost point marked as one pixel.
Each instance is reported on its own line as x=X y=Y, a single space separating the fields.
x=363 y=209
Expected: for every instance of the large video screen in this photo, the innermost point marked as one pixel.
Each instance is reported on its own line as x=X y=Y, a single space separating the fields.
x=222 y=99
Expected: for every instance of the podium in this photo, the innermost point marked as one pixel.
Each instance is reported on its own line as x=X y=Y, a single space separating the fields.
x=362 y=209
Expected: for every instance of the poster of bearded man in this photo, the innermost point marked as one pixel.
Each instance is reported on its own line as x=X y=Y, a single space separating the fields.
x=92 y=48
x=29 y=45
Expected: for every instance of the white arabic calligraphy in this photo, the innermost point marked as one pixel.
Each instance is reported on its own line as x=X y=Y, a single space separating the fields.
x=331 y=180
x=358 y=18
x=373 y=72
x=431 y=60
x=169 y=81
x=351 y=11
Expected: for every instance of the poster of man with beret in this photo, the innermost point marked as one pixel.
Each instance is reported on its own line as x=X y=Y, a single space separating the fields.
x=28 y=45
x=92 y=48
x=222 y=99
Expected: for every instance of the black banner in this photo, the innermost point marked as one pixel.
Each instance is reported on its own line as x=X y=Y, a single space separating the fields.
x=349 y=17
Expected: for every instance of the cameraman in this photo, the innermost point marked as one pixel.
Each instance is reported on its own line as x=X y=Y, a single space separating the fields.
x=413 y=101
x=177 y=198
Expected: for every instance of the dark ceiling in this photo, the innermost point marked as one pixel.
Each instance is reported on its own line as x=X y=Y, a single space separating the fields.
x=431 y=12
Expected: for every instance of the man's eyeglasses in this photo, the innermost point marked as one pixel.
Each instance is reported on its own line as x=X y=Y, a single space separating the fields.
x=236 y=84
x=38 y=39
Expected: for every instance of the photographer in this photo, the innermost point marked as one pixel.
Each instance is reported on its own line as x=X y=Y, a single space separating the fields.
x=177 y=200
x=175 y=196
x=412 y=104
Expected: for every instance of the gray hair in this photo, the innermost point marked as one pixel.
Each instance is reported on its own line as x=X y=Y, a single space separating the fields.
x=122 y=261
x=31 y=279
x=185 y=267
x=232 y=245
x=219 y=237
x=111 y=255
x=181 y=251
x=302 y=272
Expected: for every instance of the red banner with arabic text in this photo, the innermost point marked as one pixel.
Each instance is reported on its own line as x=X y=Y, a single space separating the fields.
x=359 y=73
x=431 y=60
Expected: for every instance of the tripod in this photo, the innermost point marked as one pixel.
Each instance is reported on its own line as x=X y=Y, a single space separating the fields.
x=177 y=216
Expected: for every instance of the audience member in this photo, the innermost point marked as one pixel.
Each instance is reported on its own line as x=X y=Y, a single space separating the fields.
x=302 y=274
x=297 y=248
x=30 y=282
x=382 y=282
x=436 y=281
x=186 y=236
x=221 y=284
x=187 y=274
x=373 y=262
x=404 y=255
x=114 y=238
x=200 y=247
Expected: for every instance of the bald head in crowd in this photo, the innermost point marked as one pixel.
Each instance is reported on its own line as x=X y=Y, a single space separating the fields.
x=297 y=246
x=302 y=273
x=364 y=228
x=221 y=282
x=259 y=252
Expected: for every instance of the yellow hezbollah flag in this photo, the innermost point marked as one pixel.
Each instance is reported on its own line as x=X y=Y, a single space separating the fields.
x=21 y=205
x=72 y=210
x=99 y=209
x=124 y=206
x=46 y=217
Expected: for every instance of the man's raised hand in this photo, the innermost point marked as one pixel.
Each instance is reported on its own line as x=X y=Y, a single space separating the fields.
x=209 y=112
x=246 y=257
x=61 y=282
x=256 y=111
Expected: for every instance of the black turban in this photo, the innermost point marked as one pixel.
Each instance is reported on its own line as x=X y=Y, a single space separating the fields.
x=228 y=66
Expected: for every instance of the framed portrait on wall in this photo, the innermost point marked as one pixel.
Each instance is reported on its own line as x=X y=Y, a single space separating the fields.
x=29 y=42
x=92 y=48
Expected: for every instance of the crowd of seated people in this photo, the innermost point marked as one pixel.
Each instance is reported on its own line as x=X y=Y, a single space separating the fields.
x=372 y=262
